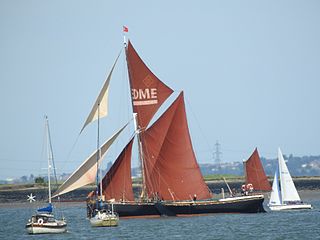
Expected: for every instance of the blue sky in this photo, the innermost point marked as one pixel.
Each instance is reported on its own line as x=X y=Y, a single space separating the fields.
x=250 y=71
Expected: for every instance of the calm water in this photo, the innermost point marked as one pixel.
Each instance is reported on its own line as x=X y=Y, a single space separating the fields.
x=271 y=225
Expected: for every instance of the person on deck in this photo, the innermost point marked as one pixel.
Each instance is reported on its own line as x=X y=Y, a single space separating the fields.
x=194 y=197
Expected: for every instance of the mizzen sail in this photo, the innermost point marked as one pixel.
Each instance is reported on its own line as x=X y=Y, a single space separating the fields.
x=255 y=174
x=147 y=91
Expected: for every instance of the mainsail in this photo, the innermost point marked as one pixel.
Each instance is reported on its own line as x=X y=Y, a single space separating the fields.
x=288 y=190
x=169 y=165
x=117 y=183
x=87 y=172
x=171 y=169
x=255 y=174
x=148 y=92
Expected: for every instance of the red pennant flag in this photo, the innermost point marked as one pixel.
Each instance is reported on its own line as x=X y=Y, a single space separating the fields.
x=125 y=29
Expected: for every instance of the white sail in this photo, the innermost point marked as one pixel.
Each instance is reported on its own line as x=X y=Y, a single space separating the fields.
x=87 y=172
x=288 y=190
x=275 y=193
x=100 y=107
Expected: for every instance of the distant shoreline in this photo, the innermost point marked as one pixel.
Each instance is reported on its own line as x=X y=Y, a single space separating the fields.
x=306 y=196
x=302 y=182
x=18 y=193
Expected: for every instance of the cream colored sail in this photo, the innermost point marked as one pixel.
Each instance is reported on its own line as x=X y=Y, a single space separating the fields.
x=100 y=107
x=87 y=172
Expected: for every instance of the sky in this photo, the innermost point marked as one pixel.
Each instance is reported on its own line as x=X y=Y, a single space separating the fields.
x=250 y=71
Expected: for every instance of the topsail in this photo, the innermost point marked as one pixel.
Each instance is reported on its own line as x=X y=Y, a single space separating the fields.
x=147 y=91
x=100 y=107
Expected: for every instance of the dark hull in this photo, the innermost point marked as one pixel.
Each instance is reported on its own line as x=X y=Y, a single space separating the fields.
x=232 y=205
x=135 y=209
x=247 y=204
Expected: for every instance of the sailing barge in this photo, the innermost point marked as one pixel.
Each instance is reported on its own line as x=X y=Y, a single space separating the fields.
x=172 y=183
x=243 y=204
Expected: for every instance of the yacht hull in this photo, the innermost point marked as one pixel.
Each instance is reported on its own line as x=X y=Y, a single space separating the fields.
x=107 y=222
x=104 y=219
x=290 y=207
x=45 y=228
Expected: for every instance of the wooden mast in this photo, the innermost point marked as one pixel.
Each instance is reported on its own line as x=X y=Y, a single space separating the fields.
x=143 y=194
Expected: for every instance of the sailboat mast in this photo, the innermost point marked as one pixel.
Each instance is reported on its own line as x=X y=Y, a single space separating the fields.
x=278 y=184
x=280 y=172
x=99 y=181
x=137 y=129
x=49 y=156
x=245 y=170
x=143 y=194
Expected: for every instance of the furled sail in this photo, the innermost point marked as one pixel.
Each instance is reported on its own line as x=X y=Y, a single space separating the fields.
x=147 y=91
x=117 y=183
x=288 y=190
x=87 y=172
x=255 y=174
x=100 y=107
x=171 y=169
x=47 y=209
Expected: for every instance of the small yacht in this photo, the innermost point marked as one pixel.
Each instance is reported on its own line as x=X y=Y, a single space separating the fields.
x=44 y=221
x=284 y=196
x=104 y=218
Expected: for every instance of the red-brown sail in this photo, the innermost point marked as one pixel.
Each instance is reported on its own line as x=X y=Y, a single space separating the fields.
x=255 y=174
x=147 y=91
x=117 y=183
x=171 y=169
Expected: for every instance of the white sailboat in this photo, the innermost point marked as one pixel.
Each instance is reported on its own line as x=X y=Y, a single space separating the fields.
x=284 y=196
x=44 y=221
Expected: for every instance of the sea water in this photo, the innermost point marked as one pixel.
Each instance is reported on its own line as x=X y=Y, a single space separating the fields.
x=271 y=225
